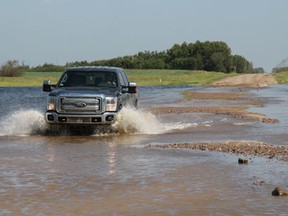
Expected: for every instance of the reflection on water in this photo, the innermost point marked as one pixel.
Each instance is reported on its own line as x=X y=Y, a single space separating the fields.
x=51 y=153
x=112 y=158
x=276 y=108
x=114 y=174
x=84 y=176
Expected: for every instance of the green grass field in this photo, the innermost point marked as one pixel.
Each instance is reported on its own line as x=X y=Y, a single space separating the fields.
x=174 y=77
x=281 y=77
x=141 y=77
x=29 y=79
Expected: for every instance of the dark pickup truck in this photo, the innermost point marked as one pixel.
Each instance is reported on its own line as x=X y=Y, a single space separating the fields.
x=89 y=96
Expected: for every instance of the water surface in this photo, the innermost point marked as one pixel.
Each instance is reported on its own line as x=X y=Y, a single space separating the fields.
x=117 y=175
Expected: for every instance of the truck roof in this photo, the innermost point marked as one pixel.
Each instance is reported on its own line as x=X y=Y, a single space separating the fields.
x=95 y=68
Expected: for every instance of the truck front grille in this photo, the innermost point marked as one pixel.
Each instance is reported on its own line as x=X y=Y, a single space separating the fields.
x=79 y=105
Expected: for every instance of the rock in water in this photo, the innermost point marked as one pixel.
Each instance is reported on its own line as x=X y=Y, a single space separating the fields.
x=279 y=192
x=242 y=161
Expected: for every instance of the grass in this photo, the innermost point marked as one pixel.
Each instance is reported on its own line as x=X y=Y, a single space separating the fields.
x=29 y=79
x=141 y=77
x=281 y=77
x=174 y=77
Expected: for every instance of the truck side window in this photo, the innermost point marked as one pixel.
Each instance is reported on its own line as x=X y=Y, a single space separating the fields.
x=124 y=77
x=64 y=80
x=122 y=82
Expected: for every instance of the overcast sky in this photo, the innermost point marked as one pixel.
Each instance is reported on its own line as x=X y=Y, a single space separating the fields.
x=60 y=31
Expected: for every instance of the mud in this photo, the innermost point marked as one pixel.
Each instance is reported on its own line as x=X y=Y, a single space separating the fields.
x=232 y=111
x=235 y=111
x=248 y=80
x=247 y=148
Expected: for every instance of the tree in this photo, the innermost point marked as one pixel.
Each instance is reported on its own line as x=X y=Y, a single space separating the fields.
x=208 y=56
x=241 y=65
x=216 y=56
x=48 y=67
x=258 y=70
x=11 y=69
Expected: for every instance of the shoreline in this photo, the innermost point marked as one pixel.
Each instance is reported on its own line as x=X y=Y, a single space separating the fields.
x=246 y=148
x=233 y=111
x=242 y=147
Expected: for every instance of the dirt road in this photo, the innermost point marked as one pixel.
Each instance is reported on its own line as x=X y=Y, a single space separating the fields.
x=247 y=80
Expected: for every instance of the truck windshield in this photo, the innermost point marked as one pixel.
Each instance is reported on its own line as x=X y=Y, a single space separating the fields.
x=88 y=79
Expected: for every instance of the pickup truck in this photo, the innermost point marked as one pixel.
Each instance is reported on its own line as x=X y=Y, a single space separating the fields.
x=91 y=95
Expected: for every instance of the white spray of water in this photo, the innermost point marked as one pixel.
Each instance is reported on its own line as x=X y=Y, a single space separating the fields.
x=179 y=126
x=23 y=123
x=132 y=121
x=129 y=121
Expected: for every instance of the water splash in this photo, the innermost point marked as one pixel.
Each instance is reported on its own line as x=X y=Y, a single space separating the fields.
x=179 y=126
x=132 y=121
x=23 y=123
x=129 y=121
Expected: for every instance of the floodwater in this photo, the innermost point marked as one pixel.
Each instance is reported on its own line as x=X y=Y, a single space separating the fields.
x=115 y=174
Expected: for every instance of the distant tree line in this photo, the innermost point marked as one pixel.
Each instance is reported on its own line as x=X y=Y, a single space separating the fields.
x=48 y=68
x=279 y=69
x=206 y=56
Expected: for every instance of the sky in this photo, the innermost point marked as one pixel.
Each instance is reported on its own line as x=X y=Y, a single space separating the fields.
x=35 y=32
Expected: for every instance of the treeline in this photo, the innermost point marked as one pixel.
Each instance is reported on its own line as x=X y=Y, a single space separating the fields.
x=279 y=69
x=206 y=56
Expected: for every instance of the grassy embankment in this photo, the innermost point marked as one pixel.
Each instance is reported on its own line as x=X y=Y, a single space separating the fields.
x=281 y=77
x=29 y=79
x=174 y=77
x=141 y=77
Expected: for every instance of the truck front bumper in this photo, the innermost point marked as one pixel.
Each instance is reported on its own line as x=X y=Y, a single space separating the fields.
x=105 y=118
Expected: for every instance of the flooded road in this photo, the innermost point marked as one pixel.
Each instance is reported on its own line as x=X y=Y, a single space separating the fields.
x=116 y=174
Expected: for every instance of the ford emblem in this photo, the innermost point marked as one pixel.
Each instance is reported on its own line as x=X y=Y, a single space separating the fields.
x=80 y=104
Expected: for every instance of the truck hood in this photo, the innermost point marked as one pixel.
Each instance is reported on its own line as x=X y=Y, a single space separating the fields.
x=110 y=92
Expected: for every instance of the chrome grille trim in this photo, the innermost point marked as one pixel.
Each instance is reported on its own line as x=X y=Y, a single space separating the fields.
x=89 y=105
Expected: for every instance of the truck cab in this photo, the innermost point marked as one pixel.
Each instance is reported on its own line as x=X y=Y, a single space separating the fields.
x=89 y=96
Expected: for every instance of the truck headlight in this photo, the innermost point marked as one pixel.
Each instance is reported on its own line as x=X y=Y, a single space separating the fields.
x=111 y=104
x=51 y=103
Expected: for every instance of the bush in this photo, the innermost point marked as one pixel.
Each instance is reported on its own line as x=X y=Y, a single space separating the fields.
x=11 y=69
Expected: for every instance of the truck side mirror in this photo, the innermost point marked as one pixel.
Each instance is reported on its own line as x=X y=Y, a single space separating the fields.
x=47 y=86
x=132 y=88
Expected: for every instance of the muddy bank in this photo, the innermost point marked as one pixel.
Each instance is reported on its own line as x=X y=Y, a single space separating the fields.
x=236 y=147
x=238 y=94
x=233 y=112
x=236 y=111
x=244 y=101
x=248 y=80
